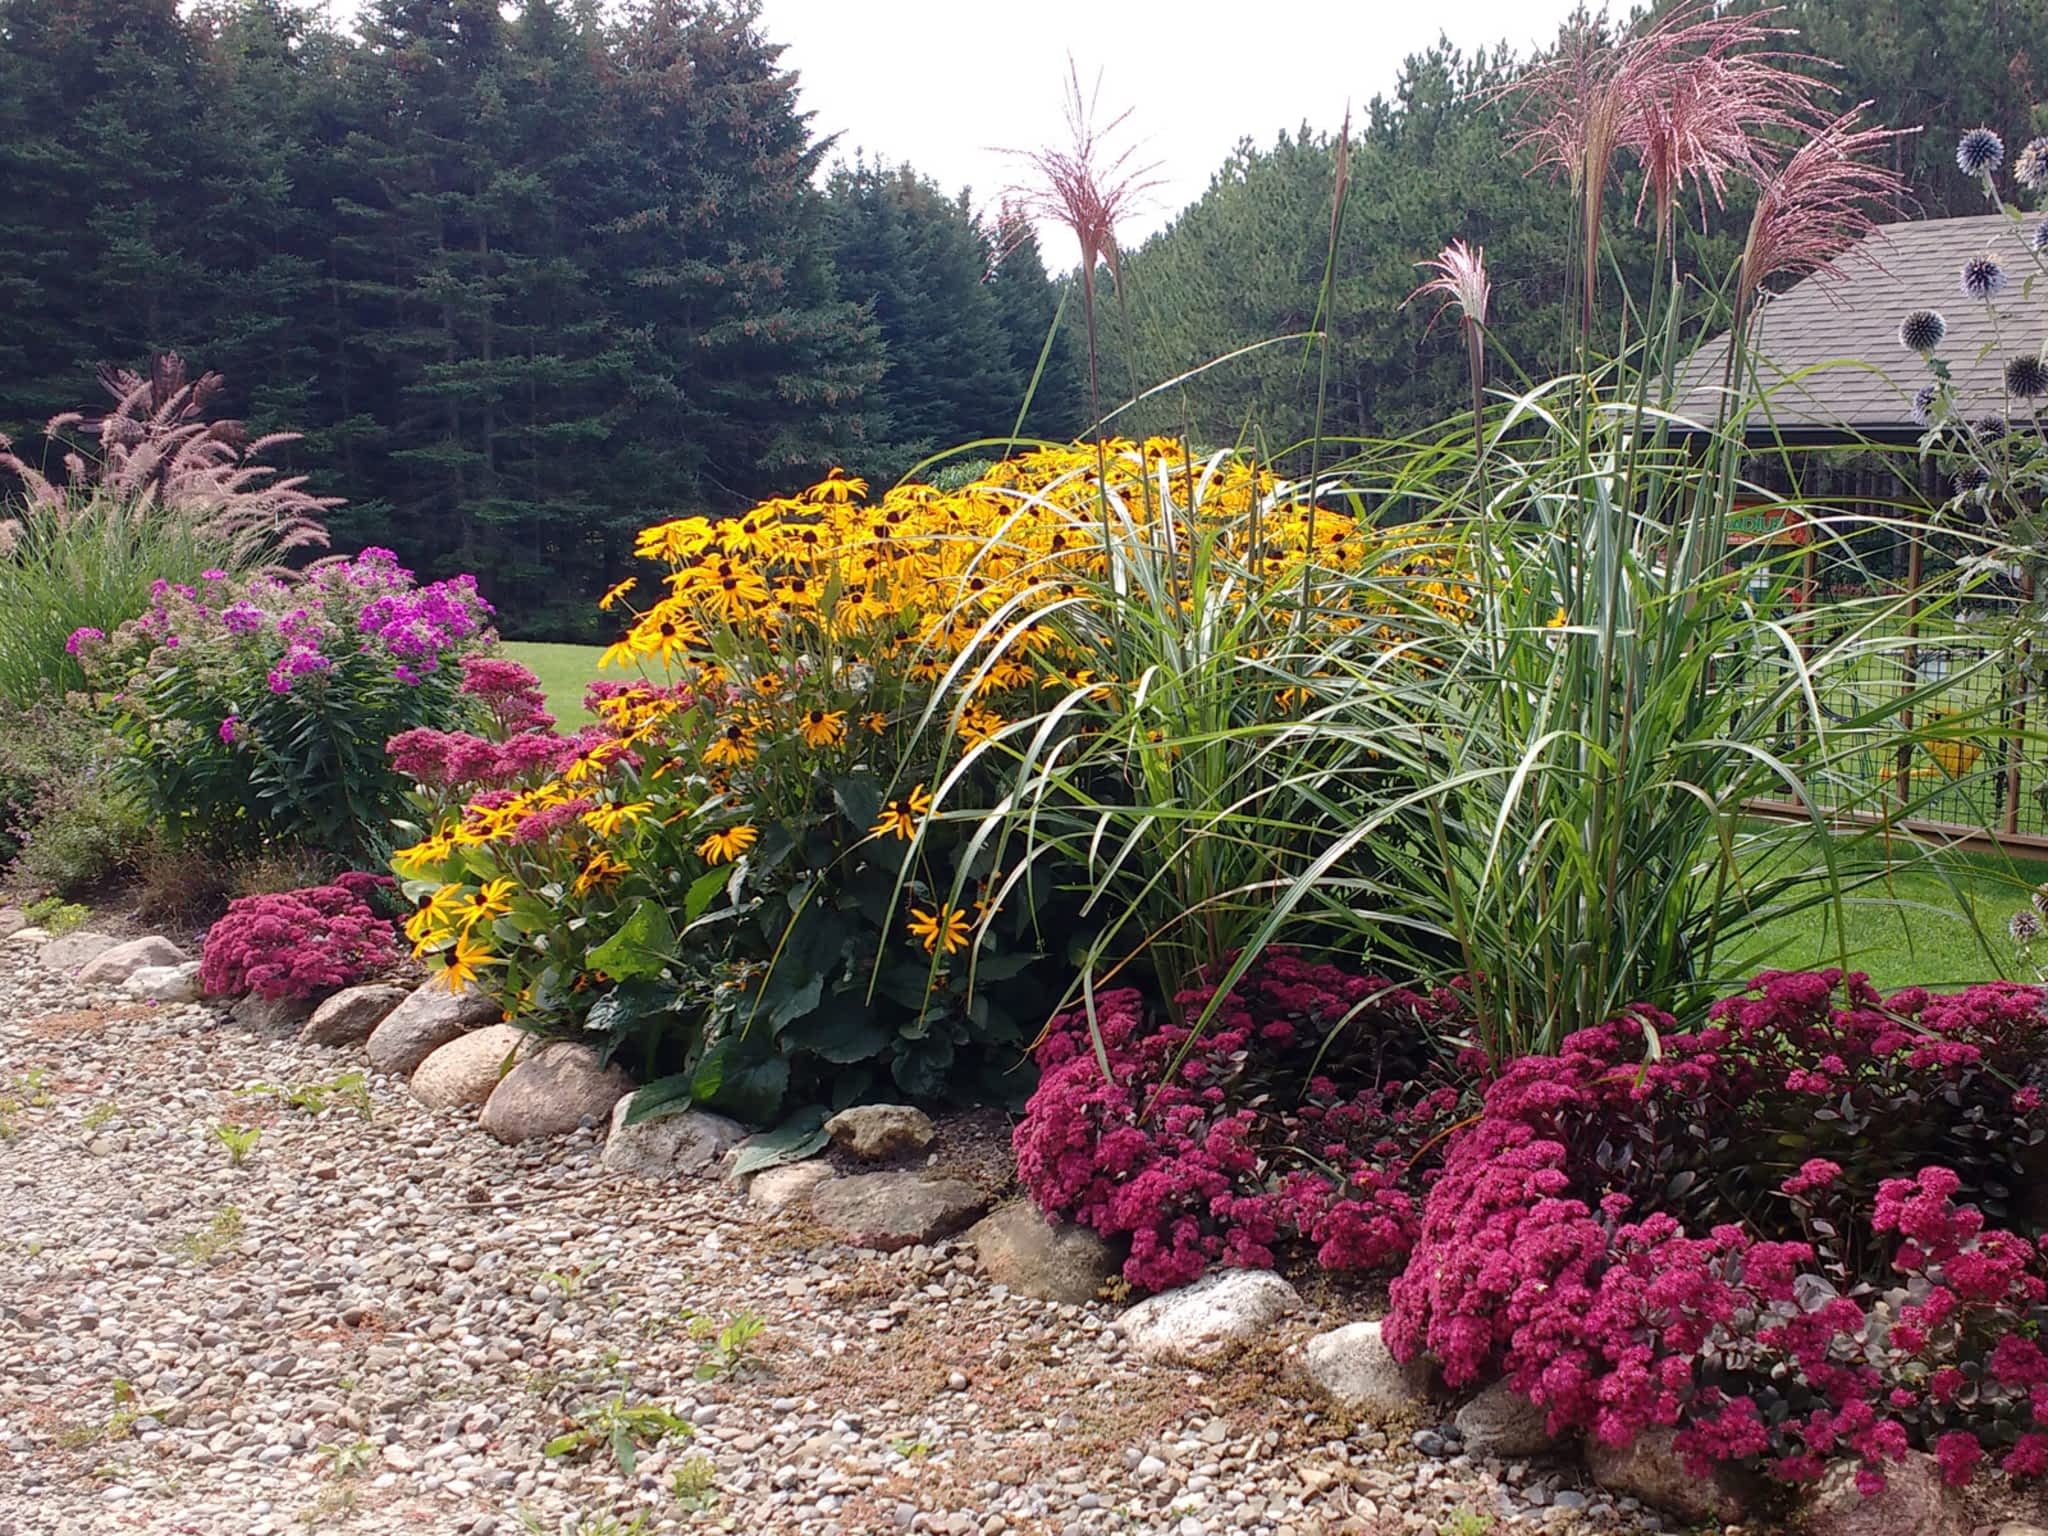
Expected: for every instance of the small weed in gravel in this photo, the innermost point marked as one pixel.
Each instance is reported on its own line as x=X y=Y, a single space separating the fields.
x=219 y=1235
x=691 y=1484
x=728 y=1351
x=240 y=1140
x=351 y=1090
x=97 y=1116
x=622 y=1427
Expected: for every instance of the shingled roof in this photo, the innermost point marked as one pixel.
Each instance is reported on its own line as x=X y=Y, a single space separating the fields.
x=1846 y=330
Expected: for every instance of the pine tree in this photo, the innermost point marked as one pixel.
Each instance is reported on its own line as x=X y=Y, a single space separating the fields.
x=750 y=368
x=1027 y=304
x=919 y=262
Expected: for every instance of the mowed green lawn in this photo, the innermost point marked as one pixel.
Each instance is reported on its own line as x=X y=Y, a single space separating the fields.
x=563 y=670
x=1915 y=931
x=1921 y=928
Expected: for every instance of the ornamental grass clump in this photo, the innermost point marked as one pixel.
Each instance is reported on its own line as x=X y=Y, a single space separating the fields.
x=252 y=713
x=300 y=945
x=1804 y=1231
x=1299 y=1127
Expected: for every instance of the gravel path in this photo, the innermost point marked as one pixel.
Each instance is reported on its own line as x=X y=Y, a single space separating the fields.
x=378 y=1320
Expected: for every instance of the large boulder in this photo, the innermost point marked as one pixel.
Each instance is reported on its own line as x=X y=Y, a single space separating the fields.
x=115 y=964
x=349 y=1017
x=271 y=1015
x=790 y=1184
x=1501 y=1422
x=668 y=1147
x=12 y=921
x=1354 y=1365
x=76 y=949
x=1019 y=1248
x=466 y=1070
x=552 y=1091
x=874 y=1132
x=165 y=983
x=1649 y=1468
x=888 y=1211
x=1912 y=1503
x=427 y=1020
x=1224 y=1308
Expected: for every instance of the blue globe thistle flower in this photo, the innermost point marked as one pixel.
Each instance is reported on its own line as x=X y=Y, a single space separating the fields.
x=2030 y=166
x=1922 y=330
x=1982 y=277
x=1970 y=479
x=2041 y=236
x=1989 y=429
x=1923 y=404
x=2026 y=376
x=1979 y=152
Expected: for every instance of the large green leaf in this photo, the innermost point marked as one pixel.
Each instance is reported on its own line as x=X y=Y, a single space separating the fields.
x=843 y=1031
x=790 y=1142
x=737 y=1080
x=703 y=891
x=663 y=1097
x=640 y=948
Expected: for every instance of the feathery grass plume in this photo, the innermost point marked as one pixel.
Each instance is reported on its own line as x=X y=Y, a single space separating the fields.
x=1461 y=280
x=1826 y=197
x=160 y=454
x=1693 y=97
x=1090 y=187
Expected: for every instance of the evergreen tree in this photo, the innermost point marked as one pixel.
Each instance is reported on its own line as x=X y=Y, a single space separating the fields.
x=920 y=264
x=750 y=367
x=1027 y=303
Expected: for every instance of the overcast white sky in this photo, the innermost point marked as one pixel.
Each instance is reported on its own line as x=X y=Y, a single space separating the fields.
x=949 y=84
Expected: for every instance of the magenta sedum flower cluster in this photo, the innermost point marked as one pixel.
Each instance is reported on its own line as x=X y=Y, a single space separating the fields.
x=1235 y=1146
x=1769 y=1236
x=299 y=944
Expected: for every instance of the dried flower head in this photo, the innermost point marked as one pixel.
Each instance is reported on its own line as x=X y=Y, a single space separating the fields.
x=1087 y=186
x=1982 y=278
x=2026 y=376
x=2040 y=898
x=1979 y=152
x=2030 y=166
x=1923 y=330
x=2025 y=926
x=1923 y=403
x=159 y=453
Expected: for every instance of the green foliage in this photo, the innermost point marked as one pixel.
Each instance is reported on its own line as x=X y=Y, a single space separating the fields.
x=620 y=1427
x=728 y=1350
x=87 y=565
x=64 y=821
x=219 y=1236
x=253 y=715
x=57 y=916
x=240 y=1140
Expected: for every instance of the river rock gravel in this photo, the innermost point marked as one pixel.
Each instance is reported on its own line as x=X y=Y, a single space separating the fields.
x=375 y=1318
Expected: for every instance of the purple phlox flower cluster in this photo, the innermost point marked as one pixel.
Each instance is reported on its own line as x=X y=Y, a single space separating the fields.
x=82 y=637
